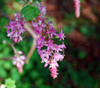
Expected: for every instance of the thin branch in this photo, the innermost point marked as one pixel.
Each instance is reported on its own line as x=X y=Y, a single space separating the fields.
x=15 y=51
x=29 y=29
x=5 y=58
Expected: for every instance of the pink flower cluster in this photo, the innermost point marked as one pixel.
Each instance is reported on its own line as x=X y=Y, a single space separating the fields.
x=50 y=52
x=16 y=28
x=77 y=8
x=19 y=60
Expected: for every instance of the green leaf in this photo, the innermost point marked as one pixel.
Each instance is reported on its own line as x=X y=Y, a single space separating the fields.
x=37 y=11
x=10 y=83
x=29 y=12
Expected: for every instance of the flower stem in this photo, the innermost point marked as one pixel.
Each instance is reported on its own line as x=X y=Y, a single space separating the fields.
x=29 y=29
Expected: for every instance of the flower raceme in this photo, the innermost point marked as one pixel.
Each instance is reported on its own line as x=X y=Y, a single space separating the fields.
x=19 y=60
x=77 y=8
x=45 y=39
x=16 y=28
x=50 y=52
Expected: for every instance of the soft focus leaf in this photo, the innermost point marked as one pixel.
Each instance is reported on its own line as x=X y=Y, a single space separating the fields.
x=10 y=83
x=30 y=12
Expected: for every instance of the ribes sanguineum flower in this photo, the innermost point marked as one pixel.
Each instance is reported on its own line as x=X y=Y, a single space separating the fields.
x=15 y=28
x=19 y=60
x=77 y=8
x=42 y=10
x=61 y=35
x=48 y=50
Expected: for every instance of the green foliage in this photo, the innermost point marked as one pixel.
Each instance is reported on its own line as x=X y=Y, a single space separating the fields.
x=73 y=74
x=34 y=74
x=3 y=22
x=10 y=83
x=68 y=29
x=87 y=30
x=2 y=4
x=82 y=55
x=3 y=72
x=39 y=0
x=7 y=65
x=17 y=0
x=29 y=12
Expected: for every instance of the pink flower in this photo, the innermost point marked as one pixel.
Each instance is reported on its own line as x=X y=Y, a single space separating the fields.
x=61 y=35
x=77 y=8
x=51 y=32
x=42 y=10
x=53 y=71
x=49 y=44
x=18 y=60
x=40 y=42
x=20 y=68
x=53 y=68
x=50 y=52
x=58 y=57
x=16 y=28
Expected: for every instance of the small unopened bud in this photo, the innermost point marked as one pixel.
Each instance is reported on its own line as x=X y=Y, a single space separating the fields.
x=20 y=52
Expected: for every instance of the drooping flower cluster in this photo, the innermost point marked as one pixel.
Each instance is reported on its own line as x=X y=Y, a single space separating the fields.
x=19 y=60
x=77 y=8
x=15 y=29
x=50 y=52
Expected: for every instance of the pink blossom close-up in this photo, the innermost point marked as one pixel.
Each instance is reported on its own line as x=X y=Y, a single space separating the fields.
x=15 y=29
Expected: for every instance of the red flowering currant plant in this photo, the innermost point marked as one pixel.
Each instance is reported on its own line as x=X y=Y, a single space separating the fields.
x=32 y=19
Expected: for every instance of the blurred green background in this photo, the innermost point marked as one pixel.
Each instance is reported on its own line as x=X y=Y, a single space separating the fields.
x=81 y=65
